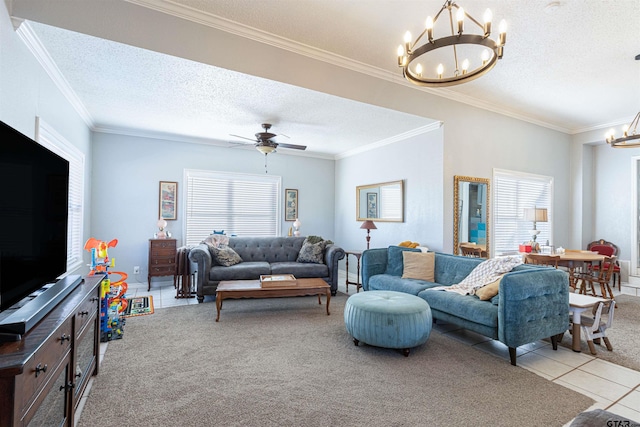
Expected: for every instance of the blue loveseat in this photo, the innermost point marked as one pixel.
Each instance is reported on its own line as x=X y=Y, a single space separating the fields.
x=263 y=255
x=532 y=302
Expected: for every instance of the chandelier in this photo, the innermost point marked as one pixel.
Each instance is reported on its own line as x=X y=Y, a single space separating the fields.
x=487 y=50
x=630 y=136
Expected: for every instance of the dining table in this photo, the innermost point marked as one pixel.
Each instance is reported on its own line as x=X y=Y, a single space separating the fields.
x=573 y=259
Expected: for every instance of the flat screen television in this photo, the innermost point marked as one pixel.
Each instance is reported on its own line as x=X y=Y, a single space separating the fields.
x=33 y=216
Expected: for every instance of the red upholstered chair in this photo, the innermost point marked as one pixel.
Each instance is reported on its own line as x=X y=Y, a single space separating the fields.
x=607 y=249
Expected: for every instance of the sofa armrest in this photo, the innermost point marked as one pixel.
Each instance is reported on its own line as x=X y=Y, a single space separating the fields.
x=533 y=304
x=200 y=255
x=332 y=255
x=374 y=261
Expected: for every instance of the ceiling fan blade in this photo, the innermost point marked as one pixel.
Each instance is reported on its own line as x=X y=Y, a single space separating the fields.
x=293 y=146
x=243 y=137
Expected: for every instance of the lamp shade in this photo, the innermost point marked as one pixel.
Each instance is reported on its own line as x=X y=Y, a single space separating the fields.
x=535 y=214
x=368 y=225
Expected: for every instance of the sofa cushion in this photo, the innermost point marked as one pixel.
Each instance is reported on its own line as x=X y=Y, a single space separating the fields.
x=418 y=265
x=300 y=270
x=312 y=252
x=242 y=271
x=225 y=256
x=387 y=282
x=452 y=269
x=395 y=264
x=468 y=307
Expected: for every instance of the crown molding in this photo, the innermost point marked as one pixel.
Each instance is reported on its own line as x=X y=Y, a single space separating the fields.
x=31 y=40
x=396 y=138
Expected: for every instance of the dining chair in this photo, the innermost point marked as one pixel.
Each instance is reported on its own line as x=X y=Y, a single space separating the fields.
x=470 y=251
x=607 y=249
x=586 y=282
x=594 y=326
x=540 y=259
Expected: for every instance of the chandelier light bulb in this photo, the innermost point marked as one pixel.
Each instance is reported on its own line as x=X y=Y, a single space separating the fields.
x=429 y=26
x=407 y=42
x=484 y=56
x=465 y=66
x=625 y=130
x=460 y=19
x=400 y=56
x=503 y=32
x=419 y=70
x=440 y=70
x=488 y=16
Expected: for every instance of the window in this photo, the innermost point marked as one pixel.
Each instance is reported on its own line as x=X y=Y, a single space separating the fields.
x=49 y=138
x=513 y=193
x=241 y=204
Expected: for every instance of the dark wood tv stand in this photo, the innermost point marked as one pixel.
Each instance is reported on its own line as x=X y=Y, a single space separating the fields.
x=43 y=376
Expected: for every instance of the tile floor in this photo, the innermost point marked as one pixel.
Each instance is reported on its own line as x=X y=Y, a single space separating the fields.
x=613 y=387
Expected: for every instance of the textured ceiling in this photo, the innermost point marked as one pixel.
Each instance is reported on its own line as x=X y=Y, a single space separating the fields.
x=568 y=65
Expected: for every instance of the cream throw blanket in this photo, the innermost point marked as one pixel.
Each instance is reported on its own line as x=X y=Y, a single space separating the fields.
x=486 y=272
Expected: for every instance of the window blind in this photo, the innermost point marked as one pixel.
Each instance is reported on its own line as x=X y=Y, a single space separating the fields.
x=513 y=193
x=390 y=201
x=240 y=204
x=49 y=138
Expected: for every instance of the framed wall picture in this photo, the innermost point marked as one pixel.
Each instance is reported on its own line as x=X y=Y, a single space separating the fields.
x=290 y=204
x=168 y=200
x=372 y=205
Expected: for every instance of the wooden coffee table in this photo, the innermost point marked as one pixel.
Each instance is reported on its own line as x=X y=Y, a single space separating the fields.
x=252 y=289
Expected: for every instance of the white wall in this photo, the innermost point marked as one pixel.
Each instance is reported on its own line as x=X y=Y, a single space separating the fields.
x=26 y=92
x=126 y=175
x=605 y=203
x=417 y=161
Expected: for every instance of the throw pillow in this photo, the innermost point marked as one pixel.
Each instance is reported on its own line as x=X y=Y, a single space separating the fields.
x=312 y=252
x=419 y=265
x=217 y=240
x=489 y=291
x=225 y=256
x=394 y=259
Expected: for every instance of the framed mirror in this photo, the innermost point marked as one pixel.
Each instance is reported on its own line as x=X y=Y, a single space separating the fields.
x=471 y=213
x=380 y=202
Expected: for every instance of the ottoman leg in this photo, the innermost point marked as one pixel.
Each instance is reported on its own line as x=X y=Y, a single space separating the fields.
x=405 y=352
x=356 y=342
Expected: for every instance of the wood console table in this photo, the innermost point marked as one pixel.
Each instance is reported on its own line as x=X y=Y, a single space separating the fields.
x=356 y=254
x=43 y=376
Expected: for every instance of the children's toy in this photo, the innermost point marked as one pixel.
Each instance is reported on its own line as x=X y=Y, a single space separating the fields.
x=112 y=294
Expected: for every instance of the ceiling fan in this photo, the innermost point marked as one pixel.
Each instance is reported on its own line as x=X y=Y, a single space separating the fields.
x=265 y=144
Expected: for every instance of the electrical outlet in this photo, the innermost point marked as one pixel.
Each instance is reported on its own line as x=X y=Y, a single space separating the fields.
x=136 y=269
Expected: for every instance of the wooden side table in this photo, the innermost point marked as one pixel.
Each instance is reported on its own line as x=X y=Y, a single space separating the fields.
x=162 y=259
x=356 y=254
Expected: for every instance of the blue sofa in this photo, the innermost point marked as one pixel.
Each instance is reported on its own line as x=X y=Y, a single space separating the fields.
x=532 y=303
x=263 y=255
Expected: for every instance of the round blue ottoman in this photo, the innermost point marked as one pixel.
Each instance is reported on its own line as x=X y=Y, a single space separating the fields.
x=388 y=319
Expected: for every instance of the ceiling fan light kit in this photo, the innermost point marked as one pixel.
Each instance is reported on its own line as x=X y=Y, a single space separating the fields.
x=264 y=142
x=438 y=76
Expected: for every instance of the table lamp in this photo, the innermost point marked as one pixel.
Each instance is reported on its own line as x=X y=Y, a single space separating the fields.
x=535 y=215
x=296 y=227
x=162 y=224
x=368 y=225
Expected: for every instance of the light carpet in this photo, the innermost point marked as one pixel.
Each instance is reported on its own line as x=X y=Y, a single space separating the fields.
x=284 y=362
x=623 y=335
